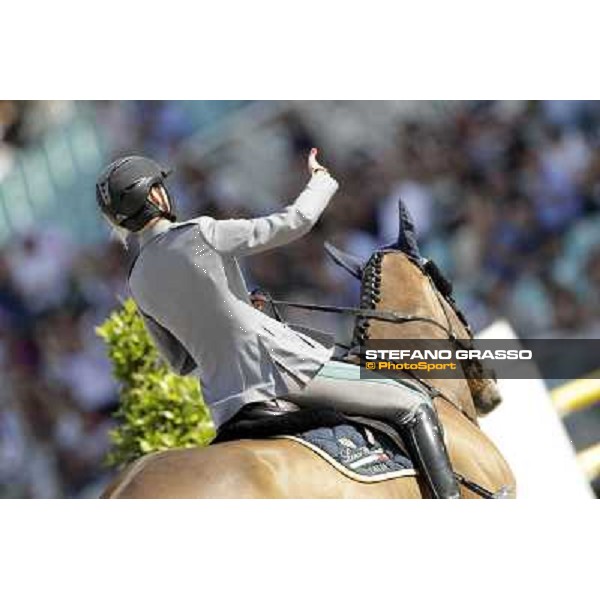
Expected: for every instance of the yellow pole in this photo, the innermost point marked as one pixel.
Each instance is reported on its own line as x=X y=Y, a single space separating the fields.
x=589 y=459
x=577 y=394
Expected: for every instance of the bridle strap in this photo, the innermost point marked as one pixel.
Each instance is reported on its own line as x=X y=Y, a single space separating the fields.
x=388 y=316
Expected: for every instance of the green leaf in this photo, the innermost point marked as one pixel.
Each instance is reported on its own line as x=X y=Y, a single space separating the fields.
x=158 y=409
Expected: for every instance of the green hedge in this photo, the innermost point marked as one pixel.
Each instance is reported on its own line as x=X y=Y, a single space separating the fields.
x=158 y=410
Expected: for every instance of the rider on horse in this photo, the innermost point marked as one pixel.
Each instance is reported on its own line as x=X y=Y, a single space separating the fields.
x=189 y=288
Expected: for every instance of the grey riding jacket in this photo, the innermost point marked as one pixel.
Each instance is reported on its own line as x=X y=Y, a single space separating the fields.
x=189 y=287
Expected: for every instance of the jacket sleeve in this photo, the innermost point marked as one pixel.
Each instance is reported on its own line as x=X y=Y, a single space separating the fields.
x=169 y=347
x=248 y=236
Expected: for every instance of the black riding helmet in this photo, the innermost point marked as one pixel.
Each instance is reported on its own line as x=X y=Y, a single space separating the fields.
x=122 y=192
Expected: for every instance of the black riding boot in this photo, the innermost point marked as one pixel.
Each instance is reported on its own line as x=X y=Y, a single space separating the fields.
x=424 y=434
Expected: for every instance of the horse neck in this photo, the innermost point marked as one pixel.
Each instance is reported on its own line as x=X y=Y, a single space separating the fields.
x=397 y=284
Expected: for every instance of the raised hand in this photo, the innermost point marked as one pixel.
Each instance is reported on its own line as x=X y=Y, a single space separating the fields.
x=313 y=163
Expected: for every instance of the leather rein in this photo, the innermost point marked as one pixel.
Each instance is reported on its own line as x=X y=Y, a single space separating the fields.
x=388 y=316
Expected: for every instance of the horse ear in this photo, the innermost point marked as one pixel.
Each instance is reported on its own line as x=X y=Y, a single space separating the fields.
x=407 y=235
x=349 y=262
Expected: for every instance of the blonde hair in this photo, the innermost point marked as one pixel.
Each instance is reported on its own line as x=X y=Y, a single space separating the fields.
x=118 y=233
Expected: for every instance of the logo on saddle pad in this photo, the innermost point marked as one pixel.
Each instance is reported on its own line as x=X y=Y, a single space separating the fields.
x=358 y=452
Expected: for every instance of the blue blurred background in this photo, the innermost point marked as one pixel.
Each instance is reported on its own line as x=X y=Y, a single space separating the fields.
x=505 y=196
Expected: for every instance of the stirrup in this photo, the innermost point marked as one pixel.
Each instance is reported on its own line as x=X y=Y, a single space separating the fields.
x=425 y=437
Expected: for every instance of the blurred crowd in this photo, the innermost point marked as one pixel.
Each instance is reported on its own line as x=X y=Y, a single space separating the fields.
x=22 y=123
x=57 y=389
x=505 y=197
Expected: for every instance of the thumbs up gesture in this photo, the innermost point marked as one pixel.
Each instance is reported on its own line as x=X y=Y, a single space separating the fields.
x=313 y=164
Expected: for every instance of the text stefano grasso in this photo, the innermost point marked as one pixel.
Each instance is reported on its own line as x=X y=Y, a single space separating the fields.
x=499 y=354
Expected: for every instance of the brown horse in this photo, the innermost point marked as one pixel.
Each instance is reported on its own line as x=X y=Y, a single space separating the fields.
x=284 y=468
